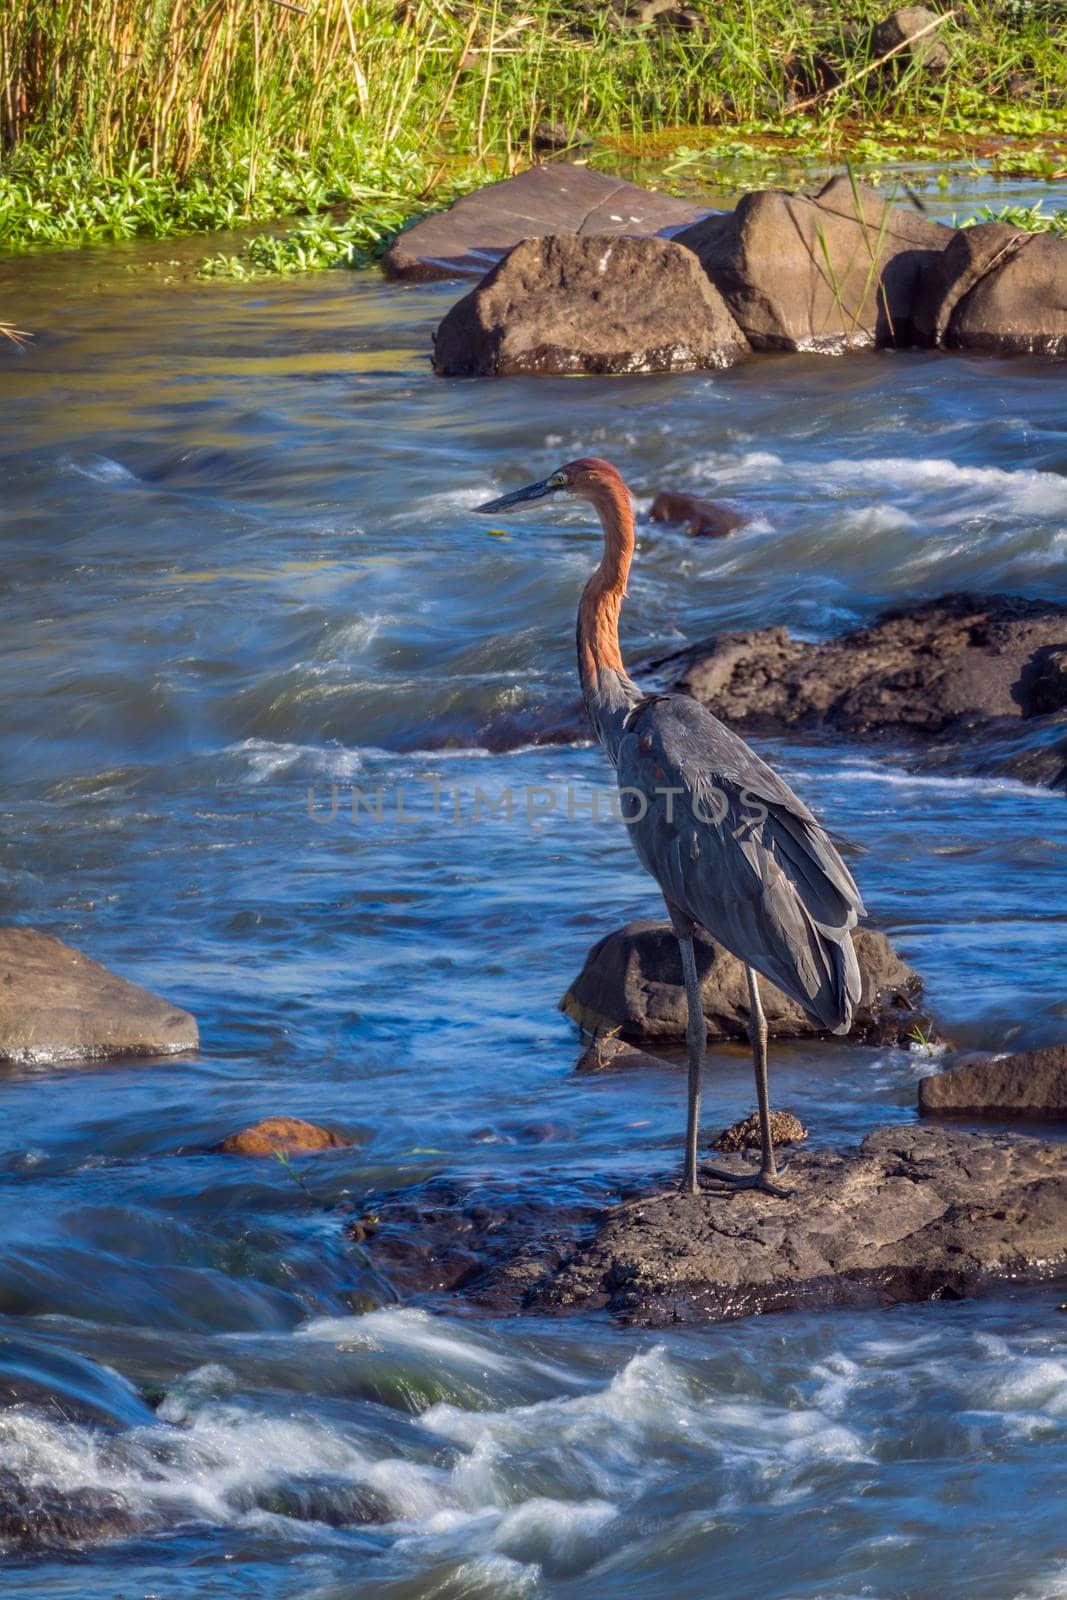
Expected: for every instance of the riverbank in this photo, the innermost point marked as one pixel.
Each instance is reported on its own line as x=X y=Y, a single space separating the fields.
x=360 y=120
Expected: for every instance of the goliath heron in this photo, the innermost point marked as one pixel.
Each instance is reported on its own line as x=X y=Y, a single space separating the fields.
x=731 y=846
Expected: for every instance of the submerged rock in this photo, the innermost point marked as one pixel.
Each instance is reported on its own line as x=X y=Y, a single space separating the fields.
x=472 y=235
x=912 y=1214
x=704 y=519
x=42 y=1516
x=592 y=304
x=57 y=1005
x=1032 y=1083
x=745 y=1135
x=609 y=1050
x=281 y=1135
x=842 y=269
x=948 y=667
x=632 y=981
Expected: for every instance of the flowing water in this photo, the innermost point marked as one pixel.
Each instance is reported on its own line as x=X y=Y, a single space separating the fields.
x=239 y=563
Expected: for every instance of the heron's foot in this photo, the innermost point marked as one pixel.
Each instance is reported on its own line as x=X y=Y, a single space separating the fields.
x=765 y=1182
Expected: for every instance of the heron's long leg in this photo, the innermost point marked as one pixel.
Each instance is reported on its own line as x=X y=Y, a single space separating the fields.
x=696 y=1038
x=757 y=1032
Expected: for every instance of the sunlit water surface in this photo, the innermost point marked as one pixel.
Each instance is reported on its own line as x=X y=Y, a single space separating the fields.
x=239 y=562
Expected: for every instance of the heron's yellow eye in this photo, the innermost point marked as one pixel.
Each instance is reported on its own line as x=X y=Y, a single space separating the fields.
x=558 y=480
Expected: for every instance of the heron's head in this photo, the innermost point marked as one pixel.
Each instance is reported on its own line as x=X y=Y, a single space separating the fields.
x=587 y=479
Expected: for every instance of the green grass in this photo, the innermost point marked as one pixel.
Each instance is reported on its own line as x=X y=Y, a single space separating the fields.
x=149 y=118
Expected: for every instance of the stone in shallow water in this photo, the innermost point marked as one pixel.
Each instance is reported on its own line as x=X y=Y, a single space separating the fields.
x=589 y=305
x=284 y=1135
x=704 y=519
x=912 y=1214
x=745 y=1135
x=472 y=235
x=43 y=1516
x=57 y=1005
x=842 y=269
x=632 y=981
x=1032 y=1083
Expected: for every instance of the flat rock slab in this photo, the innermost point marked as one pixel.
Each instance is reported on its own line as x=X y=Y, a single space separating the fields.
x=632 y=981
x=57 y=1005
x=473 y=235
x=1032 y=1083
x=912 y=1214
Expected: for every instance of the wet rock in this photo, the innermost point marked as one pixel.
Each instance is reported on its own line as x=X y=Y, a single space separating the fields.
x=67 y=1387
x=41 y=1516
x=608 y=1050
x=1032 y=1083
x=912 y=1214
x=1019 y=306
x=704 y=519
x=954 y=666
x=632 y=981
x=901 y=27
x=842 y=269
x=281 y=1135
x=57 y=1005
x=558 y=136
x=593 y=305
x=473 y=235
x=745 y=1135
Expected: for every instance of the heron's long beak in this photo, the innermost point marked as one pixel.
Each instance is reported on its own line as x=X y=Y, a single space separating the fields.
x=518 y=497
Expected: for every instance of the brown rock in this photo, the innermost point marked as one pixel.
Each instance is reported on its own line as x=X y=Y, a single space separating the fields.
x=745 y=1135
x=842 y=269
x=558 y=136
x=284 y=1135
x=472 y=235
x=57 y=1005
x=901 y=26
x=920 y=670
x=1019 y=307
x=589 y=304
x=913 y=1214
x=609 y=1050
x=704 y=519
x=972 y=253
x=1032 y=1083
x=632 y=981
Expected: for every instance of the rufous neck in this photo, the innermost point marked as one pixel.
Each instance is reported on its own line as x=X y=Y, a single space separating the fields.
x=598 y=614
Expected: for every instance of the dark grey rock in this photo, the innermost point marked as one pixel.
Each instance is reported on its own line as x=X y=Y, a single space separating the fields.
x=592 y=304
x=632 y=981
x=919 y=670
x=930 y=52
x=558 y=136
x=57 y=1005
x=913 y=1214
x=842 y=269
x=37 y=1517
x=1032 y=1083
x=473 y=235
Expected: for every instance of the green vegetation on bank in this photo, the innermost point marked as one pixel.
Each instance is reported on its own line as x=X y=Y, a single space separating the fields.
x=121 y=118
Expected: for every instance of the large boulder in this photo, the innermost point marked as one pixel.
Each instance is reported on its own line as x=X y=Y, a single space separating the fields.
x=841 y=270
x=1018 y=307
x=57 y=1005
x=971 y=254
x=590 y=304
x=632 y=981
x=473 y=235
x=1032 y=1083
x=917 y=670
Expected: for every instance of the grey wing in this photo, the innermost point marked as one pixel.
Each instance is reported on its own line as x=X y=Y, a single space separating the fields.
x=733 y=847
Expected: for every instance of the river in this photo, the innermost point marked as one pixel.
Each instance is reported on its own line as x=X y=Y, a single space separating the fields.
x=239 y=562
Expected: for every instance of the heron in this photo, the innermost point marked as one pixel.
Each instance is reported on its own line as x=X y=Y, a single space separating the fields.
x=732 y=848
